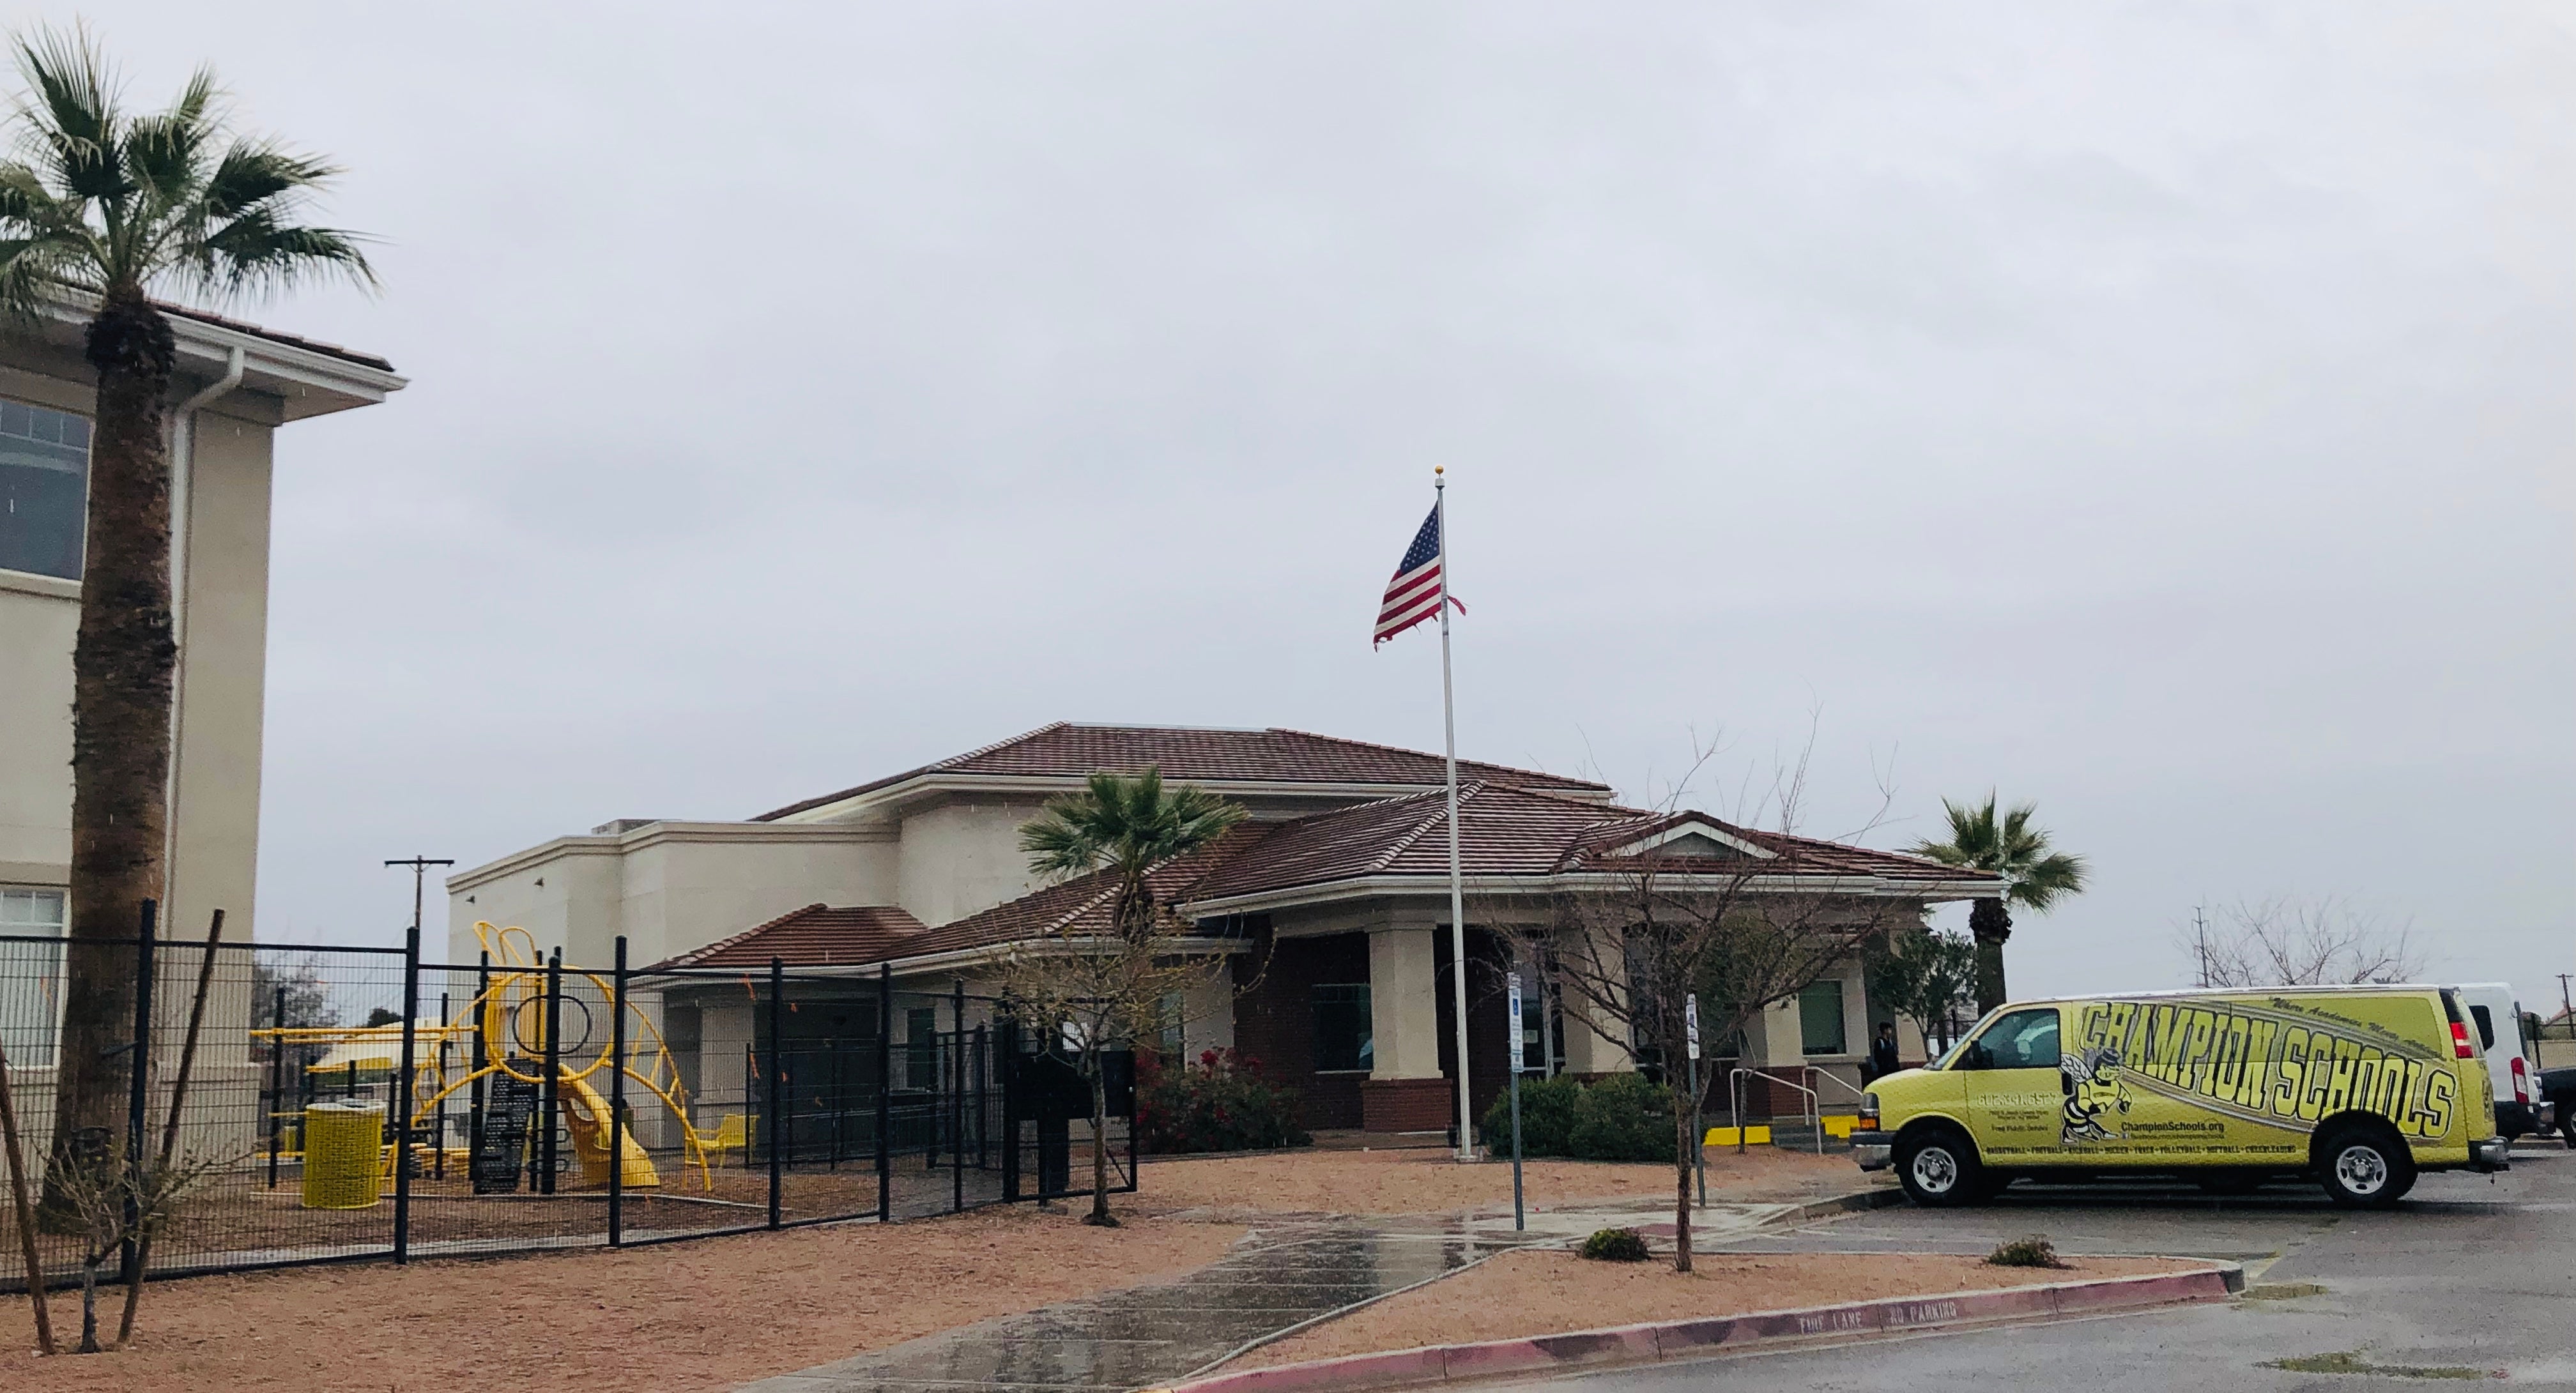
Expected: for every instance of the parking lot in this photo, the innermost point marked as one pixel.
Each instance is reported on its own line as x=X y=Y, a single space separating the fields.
x=2469 y=1274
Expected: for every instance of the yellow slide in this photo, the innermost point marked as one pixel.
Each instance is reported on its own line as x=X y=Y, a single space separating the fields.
x=585 y=1115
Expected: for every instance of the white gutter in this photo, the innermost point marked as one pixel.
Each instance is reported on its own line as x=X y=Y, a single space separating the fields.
x=183 y=479
x=1371 y=887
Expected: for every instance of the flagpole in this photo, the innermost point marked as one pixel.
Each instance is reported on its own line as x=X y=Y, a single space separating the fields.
x=1457 y=885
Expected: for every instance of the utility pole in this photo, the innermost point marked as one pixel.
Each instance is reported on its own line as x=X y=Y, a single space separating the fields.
x=419 y=871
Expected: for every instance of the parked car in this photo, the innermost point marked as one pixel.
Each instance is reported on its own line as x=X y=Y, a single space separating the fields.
x=2558 y=1091
x=2510 y=1071
x=2362 y=1088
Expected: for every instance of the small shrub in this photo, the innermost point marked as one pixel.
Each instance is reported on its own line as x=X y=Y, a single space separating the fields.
x=1615 y=1245
x=1222 y=1103
x=2034 y=1251
x=1620 y=1118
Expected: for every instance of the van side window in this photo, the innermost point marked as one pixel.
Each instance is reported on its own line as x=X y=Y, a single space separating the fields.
x=2486 y=1026
x=2022 y=1040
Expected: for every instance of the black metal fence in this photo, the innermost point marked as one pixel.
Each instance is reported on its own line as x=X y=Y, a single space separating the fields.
x=356 y=1103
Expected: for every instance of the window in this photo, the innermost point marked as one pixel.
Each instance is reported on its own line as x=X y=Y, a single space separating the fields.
x=1820 y=1018
x=44 y=489
x=921 y=1047
x=31 y=974
x=1342 y=1042
x=2022 y=1040
x=1172 y=1011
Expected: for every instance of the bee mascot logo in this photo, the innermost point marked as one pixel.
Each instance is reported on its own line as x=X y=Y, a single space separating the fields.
x=2097 y=1104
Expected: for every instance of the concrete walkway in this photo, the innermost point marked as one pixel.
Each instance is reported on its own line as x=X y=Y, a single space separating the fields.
x=1277 y=1278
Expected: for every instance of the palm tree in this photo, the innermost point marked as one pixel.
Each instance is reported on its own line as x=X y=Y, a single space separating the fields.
x=102 y=209
x=1122 y=828
x=2034 y=877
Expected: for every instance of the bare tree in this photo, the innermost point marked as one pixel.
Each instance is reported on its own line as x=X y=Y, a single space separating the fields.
x=2286 y=941
x=1088 y=996
x=1653 y=915
x=111 y=1204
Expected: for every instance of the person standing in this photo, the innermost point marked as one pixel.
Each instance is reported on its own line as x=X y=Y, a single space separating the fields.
x=1882 y=1051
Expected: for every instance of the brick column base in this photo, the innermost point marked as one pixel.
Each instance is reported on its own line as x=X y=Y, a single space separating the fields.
x=1406 y=1105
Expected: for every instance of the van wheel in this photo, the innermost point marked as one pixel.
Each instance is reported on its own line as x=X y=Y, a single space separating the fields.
x=2364 y=1167
x=1939 y=1169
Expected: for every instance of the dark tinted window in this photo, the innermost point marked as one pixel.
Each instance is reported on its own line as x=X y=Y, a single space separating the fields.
x=44 y=489
x=2022 y=1040
x=1343 y=1039
x=2486 y=1027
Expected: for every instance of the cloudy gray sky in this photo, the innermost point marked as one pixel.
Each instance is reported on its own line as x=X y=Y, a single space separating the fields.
x=2158 y=412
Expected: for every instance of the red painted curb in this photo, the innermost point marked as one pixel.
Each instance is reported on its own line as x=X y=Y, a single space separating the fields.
x=1634 y=1344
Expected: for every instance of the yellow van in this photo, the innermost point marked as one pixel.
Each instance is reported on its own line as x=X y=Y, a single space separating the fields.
x=2361 y=1087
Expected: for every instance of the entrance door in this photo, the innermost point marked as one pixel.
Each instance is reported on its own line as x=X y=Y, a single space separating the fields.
x=2014 y=1099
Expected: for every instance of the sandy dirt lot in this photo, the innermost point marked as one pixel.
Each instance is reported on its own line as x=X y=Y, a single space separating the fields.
x=1429 y=1182
x=1550 y=1293
x=706 y=1314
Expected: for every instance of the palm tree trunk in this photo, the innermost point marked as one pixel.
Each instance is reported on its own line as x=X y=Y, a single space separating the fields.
x=1991 y=924
x=122 y=663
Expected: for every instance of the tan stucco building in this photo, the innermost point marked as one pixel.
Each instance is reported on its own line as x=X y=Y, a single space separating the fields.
x=241 y=385
x=1332 y=900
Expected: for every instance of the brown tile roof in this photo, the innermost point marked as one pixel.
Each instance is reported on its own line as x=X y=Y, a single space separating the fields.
x=1080 y=908
x=1506 y=831
x=1067 y=750
x=332 y=350
x=816 y=936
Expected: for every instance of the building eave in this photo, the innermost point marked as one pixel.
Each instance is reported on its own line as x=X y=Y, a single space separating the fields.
x=1369 y=887
x=654 y=834
x=895 y=796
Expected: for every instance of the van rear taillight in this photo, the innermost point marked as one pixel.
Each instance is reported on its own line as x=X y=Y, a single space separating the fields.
x=2460 y=1048
x=2521 y=1081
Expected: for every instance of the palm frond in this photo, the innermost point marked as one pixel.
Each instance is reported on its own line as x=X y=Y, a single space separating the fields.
x=70 y=110
x=255 y=254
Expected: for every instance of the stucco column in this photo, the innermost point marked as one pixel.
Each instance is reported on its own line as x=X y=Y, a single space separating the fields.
x=1596 y=1041
x=1405 y=1091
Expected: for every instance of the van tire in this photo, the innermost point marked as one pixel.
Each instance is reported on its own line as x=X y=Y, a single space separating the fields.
x=1938 y=1168
x=2364 y=1167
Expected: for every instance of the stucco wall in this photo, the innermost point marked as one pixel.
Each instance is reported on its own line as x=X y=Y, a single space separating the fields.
x=669 y=887
x=223 y=594
x=962 y=856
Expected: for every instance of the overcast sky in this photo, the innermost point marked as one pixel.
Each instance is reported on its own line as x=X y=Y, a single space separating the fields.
x=2158 y=412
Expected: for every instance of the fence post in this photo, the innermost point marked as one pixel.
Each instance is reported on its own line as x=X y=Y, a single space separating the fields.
x=547 y=1156
x=401 y=1100
x=481 y=1056
x=276 y=1085
x=1006 y=1059
x=773 y=1080
x=885 y=1092
x=957 y=1097
x=139 y=1093
x=617 y=1099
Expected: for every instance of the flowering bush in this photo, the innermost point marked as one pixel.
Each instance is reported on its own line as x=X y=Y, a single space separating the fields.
x=1222 y=1103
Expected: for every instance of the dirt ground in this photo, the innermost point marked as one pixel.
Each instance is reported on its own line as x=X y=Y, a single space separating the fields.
x=1429 y=1181
x=1550 y=1293
x=705 y=1314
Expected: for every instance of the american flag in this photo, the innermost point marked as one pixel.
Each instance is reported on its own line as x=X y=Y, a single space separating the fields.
x=1414 y=594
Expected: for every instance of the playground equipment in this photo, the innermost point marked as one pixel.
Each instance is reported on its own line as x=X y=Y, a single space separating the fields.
x=504 y=1032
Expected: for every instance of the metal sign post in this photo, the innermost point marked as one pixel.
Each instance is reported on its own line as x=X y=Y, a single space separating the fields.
x=1699 y=1133
x=1520 y=1051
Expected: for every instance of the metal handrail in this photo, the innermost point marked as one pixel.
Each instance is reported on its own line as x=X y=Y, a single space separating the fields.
x=1820 y=1072
x=1815 y=1113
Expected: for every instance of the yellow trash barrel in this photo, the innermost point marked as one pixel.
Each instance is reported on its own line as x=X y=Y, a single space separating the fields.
x=343 y=1154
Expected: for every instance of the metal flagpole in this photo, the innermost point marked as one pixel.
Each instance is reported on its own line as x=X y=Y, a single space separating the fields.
x=1457 y=885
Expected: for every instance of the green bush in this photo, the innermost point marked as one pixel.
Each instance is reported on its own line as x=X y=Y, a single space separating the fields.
x=1615 y=1245
x=1223 y=1104
x=1621 y=1118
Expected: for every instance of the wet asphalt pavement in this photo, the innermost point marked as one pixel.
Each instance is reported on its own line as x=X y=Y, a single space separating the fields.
x=2467 y=1276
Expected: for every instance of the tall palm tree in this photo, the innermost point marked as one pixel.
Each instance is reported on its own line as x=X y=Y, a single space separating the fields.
x=1124 y=828
x=101 y=210
x=2034 y=877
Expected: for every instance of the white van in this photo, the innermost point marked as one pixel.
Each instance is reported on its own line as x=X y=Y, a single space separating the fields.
x=2515 y=1078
